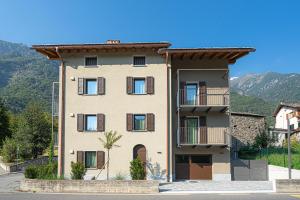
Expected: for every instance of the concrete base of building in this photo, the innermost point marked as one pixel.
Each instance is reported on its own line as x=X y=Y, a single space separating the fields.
x=222 y=177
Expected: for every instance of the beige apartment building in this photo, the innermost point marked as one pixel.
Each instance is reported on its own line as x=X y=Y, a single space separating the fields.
x=170 y=105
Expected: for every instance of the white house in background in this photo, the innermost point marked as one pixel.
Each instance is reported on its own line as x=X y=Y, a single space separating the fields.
x=280 y=115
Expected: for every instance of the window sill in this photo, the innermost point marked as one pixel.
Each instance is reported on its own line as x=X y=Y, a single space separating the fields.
x=139 y=131
x=139 y=94
x=91 y=66
x=94 y=168
x=90 y=94
x=139 y=65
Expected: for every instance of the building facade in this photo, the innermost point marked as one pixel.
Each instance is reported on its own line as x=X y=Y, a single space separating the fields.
x=171 y=107
x=280 y=114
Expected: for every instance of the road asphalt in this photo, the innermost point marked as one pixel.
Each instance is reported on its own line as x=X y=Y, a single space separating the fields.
x=37 y=196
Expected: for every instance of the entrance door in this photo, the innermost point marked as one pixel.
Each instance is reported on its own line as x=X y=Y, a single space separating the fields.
x=191 y=125
x=191 y=93
x=193 y=167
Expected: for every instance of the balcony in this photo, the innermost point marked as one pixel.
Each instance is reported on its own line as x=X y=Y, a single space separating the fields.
x=212 y=99
x=203 y=136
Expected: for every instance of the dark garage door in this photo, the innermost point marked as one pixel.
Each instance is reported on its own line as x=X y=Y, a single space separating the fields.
x=193 y=167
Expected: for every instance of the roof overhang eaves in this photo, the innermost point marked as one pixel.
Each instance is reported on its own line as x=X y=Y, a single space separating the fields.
x=230 y=54
x=51 y=50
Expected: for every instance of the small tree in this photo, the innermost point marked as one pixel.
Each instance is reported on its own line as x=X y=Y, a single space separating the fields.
x=9 y=150
x=137 y=171
x=34 y=131
x=109 y=141
x=263 y=139
x=77 y=171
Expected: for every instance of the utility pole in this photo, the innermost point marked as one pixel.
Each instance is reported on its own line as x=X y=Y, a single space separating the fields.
x=289 y=147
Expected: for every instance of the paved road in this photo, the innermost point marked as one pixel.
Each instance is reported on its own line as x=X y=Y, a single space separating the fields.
x=30 y=196
x=10 y=182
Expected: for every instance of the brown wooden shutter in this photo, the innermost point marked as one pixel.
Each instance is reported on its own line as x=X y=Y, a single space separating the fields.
x=80 y=157
x=129 y=85
x=129 y=122
x=101 y=85
x=150 y=85
x=80 y=86
x=203 y=130
x=80 y=122
x=202 y=93
x=150 y=122
x=100 y=122
x=100 y=160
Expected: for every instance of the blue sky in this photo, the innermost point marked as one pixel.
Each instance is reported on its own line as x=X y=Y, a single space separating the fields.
x=270 y=26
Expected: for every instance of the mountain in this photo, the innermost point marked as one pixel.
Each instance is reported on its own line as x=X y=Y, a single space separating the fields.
x=25 y=76
x=252 y=104
x=269 y=86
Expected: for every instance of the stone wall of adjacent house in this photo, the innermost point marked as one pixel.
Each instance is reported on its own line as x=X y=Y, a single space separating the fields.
x=21 y=166
x=91 y=186
x=244 y=129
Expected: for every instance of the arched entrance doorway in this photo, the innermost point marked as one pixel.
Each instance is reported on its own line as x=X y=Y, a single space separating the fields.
x=139 y=151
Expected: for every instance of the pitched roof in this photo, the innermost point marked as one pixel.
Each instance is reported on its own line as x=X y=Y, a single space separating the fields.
x=231 y=54
x=287 y=105
x=247 y=114
x=51 y=50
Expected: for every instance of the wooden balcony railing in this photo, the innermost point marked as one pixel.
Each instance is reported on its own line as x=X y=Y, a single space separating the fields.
x=203 y=136
x=211 y=97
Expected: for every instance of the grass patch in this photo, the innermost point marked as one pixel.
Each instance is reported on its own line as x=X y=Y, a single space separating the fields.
x=274 y=156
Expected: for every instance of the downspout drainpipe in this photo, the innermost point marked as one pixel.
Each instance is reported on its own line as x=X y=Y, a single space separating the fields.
x=168 y=117
x=61 y=129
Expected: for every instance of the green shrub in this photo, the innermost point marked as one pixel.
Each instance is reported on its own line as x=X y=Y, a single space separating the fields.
x=120 y=176
x=137 y=171
x=78 y=171
x=31 y=172
x=48 y=172
x=9 y=150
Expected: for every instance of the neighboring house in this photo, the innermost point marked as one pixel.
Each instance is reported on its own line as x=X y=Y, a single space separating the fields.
x=244 y=128
x=170 y=105
x=280 y=115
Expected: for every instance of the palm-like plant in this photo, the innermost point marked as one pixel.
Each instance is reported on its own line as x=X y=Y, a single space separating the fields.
x=109 y=141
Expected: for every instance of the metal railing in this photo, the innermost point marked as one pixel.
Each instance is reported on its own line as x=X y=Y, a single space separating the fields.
x=203 y=136
x=209 y=97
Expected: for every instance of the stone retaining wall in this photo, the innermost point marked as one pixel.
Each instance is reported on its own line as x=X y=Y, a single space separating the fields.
x=91 y=186
x=288 y=186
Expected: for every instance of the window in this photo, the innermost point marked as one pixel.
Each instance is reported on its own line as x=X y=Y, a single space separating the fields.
x=139 y=122
x=139 y=60
x=90 y=122
x=191 y=94
x=299 y=124
x=90 y=159
x=89 y=61
x=292 y=127
x=90 y=86
x=139 y=86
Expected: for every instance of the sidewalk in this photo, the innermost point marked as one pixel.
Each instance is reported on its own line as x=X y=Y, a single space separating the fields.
x=218 y=187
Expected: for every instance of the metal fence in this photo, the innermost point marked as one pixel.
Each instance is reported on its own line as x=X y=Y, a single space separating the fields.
x=216 y=97
x=249 y=170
